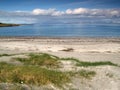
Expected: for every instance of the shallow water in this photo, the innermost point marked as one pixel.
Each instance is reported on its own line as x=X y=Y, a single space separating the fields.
x=62 y=30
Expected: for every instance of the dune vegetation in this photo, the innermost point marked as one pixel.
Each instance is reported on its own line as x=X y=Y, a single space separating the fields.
x=44 y=69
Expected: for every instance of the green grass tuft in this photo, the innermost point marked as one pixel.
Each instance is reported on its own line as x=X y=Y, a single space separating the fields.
x=83 y=74
x=70 y=59
x=1 y=55
x=41 y=60
x=86 y=74
x=86 y=64
x=31 y=75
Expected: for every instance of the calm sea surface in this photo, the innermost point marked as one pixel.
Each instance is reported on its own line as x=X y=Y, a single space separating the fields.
x=62 y=30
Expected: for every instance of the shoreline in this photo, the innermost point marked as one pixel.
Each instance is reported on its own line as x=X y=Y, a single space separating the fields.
x=64 y=40
x=60 y=37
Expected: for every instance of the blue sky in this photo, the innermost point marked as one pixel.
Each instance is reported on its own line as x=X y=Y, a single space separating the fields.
x=60 y=11
x=10 y=5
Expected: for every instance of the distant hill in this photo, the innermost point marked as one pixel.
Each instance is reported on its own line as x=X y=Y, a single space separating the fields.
x=8 y=25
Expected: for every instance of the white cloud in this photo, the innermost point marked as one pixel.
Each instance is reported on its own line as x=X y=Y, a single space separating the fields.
x=38 y=11
x=80 y=11
x=69 y=15
x=43 y=11
x=69 y=11
x=58 y=13
x=50 y=11
x=115 y=12
x=94 y=12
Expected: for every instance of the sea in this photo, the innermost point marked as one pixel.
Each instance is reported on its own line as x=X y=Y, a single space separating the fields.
x=63 y=30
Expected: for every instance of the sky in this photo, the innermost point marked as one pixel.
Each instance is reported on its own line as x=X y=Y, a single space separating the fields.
x=60 y=11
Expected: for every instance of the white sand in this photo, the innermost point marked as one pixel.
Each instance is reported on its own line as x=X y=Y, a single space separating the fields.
x=88 y=49
x=85 y=49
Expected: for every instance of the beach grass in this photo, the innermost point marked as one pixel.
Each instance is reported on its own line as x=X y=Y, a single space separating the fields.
x=1 y=55
x=31 y=75
x=39 y=69
x=35 y=75
x=70 y=59
x=86 y=74
x=41 y=59
x=87 y=64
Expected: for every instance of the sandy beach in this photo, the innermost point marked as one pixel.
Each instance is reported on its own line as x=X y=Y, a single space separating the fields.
x=88 y=49
x=84 y=49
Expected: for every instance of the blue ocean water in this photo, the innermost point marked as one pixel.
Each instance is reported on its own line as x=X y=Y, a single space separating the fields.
x=63 y=30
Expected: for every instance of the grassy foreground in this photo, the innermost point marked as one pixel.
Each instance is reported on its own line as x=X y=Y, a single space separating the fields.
x=30 y=75
x=42 y=69
x=35 y=75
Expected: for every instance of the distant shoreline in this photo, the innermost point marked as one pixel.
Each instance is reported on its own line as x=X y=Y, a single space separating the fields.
x=8 y=25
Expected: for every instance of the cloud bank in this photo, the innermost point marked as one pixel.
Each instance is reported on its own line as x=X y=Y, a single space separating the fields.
x=79 y=11
x=78 y=15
